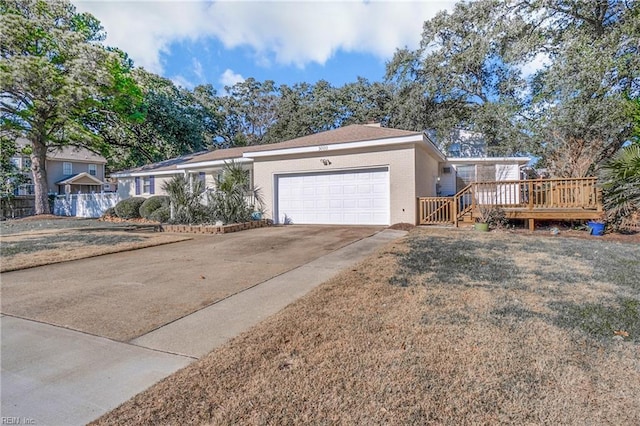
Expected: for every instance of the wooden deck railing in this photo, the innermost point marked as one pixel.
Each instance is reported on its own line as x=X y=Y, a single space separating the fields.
x=435 y=210
x=524 y=195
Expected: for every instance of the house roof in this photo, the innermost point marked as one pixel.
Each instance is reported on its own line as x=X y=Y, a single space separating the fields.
x=352 y=133
x=163 y=166
x=67 y=153
x=221 y=154
x=83 y=178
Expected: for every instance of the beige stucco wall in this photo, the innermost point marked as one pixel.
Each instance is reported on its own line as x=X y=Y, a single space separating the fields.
x=427 y=170
x=127 y=187
x=400 y=160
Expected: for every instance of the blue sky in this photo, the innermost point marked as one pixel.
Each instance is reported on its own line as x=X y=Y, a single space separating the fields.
x=223 y=42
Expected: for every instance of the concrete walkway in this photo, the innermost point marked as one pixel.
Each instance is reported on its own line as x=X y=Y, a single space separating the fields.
x=199 y=333
x=55 y=376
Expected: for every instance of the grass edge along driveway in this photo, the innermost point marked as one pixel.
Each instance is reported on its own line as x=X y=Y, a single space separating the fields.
x=444 y=326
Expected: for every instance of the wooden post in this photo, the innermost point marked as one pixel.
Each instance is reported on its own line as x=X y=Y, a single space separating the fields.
x=532 y=225
x=454 y=211
x=599 y=206
x=530 y=189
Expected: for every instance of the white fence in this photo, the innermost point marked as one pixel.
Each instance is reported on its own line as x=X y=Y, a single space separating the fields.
x=84 y=205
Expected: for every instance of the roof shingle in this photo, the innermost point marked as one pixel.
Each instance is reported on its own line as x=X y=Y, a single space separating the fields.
x=352 y=133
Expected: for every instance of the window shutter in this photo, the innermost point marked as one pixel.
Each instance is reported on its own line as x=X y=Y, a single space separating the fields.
x=152 y=185
x=137 y=185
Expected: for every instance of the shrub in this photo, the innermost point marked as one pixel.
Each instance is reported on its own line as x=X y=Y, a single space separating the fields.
x=152 y=204
x=230 y=203
x=620 y=180
x=493 y=215
x=161 y=214
x=110 y=212
x=129 y=208
x=186 y=198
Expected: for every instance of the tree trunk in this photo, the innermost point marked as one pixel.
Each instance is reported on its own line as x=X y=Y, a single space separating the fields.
x=38 y=160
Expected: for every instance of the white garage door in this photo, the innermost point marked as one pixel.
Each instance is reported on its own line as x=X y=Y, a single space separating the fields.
x=353 y=197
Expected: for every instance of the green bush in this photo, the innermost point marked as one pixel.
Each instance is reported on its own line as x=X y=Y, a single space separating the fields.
x=129 y=208
x=110 y=212
x=152 y=204
x=161 y=214
x=186 y=198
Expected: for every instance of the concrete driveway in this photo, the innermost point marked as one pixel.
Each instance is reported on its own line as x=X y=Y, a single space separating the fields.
x=57 y=376
x=125 y=295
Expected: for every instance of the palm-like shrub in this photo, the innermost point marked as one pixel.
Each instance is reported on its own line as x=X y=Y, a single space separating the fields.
x=620 y=177
x=233 y=201
x=186 y=200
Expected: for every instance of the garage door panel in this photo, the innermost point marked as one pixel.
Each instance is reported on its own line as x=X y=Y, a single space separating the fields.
x=348 y=197
x=380 y=188
x=364 y=189
x=335 y=204
x=365 y=203
x=349 y=189
x=350 y=204
x=379 y=204
x=336 y=189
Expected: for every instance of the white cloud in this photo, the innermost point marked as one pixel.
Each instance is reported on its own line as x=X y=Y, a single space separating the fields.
x=229 y=78
x=197 y=69
x=145 y=29
x=540 y=61
x=302 y=32
x=182 y=81
x=289 y=33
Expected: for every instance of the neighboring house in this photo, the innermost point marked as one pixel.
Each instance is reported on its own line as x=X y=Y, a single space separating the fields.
x=356 y=175
x=70 y=170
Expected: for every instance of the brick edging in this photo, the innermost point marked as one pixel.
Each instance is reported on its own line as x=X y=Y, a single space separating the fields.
x=213 y=229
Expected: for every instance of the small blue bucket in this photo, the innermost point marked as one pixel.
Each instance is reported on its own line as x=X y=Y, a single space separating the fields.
x=596 y=228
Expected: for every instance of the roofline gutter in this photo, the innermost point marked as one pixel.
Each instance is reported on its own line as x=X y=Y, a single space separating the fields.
x=523 y=160
x=335 y=147
x=213 y=163
x=146 y=173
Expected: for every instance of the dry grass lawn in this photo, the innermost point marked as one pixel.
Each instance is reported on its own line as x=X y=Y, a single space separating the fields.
x=443 y=327
x=31 y=243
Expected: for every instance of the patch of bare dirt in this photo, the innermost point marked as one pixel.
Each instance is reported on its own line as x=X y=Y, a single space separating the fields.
x=402 y=226
x=446 y=327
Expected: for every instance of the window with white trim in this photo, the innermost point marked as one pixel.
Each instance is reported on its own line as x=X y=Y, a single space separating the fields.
x=67 y=168
x=146 y=184
x=93 y=169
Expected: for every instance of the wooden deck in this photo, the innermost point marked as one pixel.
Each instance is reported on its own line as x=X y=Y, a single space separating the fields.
x=535 y=199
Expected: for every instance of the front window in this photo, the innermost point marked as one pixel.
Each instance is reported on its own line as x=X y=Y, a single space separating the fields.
x=146 y=185
x=93 y=169
x=67 y=168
